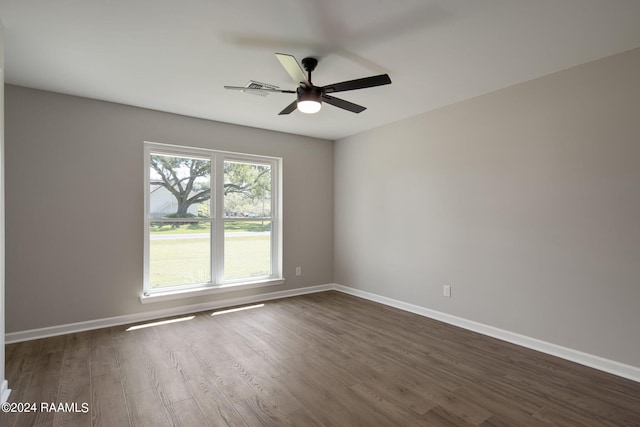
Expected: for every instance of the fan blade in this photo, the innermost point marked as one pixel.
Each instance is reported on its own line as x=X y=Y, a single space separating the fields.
x=341 y=103
x=248 y=89
x=289 y=108
x=293 y=68
x=382 y=79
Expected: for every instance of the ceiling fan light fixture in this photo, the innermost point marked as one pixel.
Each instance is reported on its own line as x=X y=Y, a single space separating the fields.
x=309 y=100
x=309 y=107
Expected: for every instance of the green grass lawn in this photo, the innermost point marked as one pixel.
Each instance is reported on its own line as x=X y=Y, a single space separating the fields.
x=203 y=227
x=179 y=262
x=247 y=256
x=186 y=261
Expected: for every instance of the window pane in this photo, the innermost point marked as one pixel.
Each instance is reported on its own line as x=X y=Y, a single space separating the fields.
x=247 y=190
x=247 y=249
x=247 y=244
x=179 y=187
x=179 y=253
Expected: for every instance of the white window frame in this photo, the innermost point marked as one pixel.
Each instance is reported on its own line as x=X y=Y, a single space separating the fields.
x=217 y=220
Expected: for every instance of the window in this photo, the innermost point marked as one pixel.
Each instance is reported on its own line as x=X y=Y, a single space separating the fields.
x=212 y=219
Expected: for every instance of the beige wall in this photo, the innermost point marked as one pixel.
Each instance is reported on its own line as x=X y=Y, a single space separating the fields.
x=526 y=201
x=74 y=197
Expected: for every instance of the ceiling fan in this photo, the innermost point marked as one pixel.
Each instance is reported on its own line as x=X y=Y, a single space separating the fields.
x=309 y=97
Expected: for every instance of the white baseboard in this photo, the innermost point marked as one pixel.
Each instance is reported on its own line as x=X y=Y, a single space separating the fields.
x=4 y=391
x=69 y=328
x=596 y=362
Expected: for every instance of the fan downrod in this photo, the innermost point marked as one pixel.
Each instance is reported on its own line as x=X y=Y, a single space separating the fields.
x=309 y=65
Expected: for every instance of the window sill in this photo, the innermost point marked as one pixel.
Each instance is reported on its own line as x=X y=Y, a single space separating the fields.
x=196 y=292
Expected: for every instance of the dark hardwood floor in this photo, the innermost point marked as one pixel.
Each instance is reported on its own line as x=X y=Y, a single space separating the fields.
x=325 y=359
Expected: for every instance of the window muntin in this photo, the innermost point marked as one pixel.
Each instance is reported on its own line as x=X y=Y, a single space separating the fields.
x=205 y=228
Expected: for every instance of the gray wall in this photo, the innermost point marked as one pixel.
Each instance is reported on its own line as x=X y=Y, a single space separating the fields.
x=3 y=385
x=74 y=204
x=526 y=201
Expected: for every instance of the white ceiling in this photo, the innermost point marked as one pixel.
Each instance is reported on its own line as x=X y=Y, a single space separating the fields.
x=176 y=56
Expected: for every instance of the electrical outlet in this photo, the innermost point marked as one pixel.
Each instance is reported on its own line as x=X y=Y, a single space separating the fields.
x=446 y=291
x=298 y=271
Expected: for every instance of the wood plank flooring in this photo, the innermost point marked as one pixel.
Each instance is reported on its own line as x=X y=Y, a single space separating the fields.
x=324 y=359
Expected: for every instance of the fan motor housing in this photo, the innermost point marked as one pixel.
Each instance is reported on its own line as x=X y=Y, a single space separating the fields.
x=313 y=93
